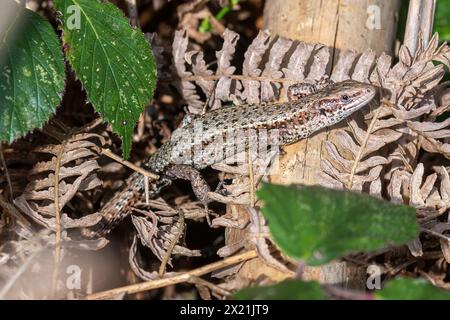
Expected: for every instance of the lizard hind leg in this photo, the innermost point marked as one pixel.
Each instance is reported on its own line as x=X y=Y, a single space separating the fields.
x=199 y=185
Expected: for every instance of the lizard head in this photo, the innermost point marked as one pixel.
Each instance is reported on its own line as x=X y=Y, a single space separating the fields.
x=339 y=100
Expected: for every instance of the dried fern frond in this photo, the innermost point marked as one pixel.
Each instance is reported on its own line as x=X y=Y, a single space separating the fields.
x=357 y=157
x=270 y=65
x=62 y=170
x=384 y=151
x=70 y=167
x=157 y=229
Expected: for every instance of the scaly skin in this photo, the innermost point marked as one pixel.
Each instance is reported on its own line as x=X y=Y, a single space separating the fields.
x=293 y=120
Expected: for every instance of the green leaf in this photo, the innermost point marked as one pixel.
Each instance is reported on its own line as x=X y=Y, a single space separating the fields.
x=411 y=289
x=32 y=75
x=317 y=224
x=113 y=61
x=442 y=19
x=205 y=25
x=286 y=290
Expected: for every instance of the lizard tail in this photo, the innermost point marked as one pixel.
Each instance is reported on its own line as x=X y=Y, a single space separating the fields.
x=122 y=203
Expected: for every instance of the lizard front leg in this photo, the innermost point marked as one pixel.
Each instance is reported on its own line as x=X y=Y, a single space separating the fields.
x=186 y=172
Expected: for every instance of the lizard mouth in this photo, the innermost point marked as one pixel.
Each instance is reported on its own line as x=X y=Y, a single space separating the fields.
x=366 y=97
x=370 y=93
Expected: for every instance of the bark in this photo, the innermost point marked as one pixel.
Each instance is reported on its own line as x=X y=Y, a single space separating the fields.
x=341 y=25
x=419 y=22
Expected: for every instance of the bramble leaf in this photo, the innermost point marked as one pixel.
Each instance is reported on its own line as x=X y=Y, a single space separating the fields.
x=317 y=224
x=113 y=61
x=32 y=75
x=411 y=289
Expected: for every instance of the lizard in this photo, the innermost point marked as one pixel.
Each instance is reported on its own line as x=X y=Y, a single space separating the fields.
x=310 y=108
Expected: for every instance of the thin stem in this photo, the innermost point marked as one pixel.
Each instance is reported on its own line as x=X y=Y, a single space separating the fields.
x=199 y=281
x=130 y=165
x=184 y=277
x=436 y=234
x=362 y=148
x=236 y=77
x=133 y=12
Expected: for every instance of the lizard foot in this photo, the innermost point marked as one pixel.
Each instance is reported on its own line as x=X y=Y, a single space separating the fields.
x=223 y=191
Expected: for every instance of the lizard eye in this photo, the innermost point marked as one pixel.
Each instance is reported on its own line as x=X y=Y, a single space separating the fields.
x=323 y=112
x=344 y=98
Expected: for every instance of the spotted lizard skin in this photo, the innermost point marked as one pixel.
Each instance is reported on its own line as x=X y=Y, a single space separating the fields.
x=293 y=120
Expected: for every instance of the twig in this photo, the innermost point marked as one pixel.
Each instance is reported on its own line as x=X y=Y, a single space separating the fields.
x=180 y=228
x=362 y=148
x=236 y=77
x=184 y=277
x=133 y=12
x=436 y=234
x=232 y=77
x=199 y=281
x=130 y=165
